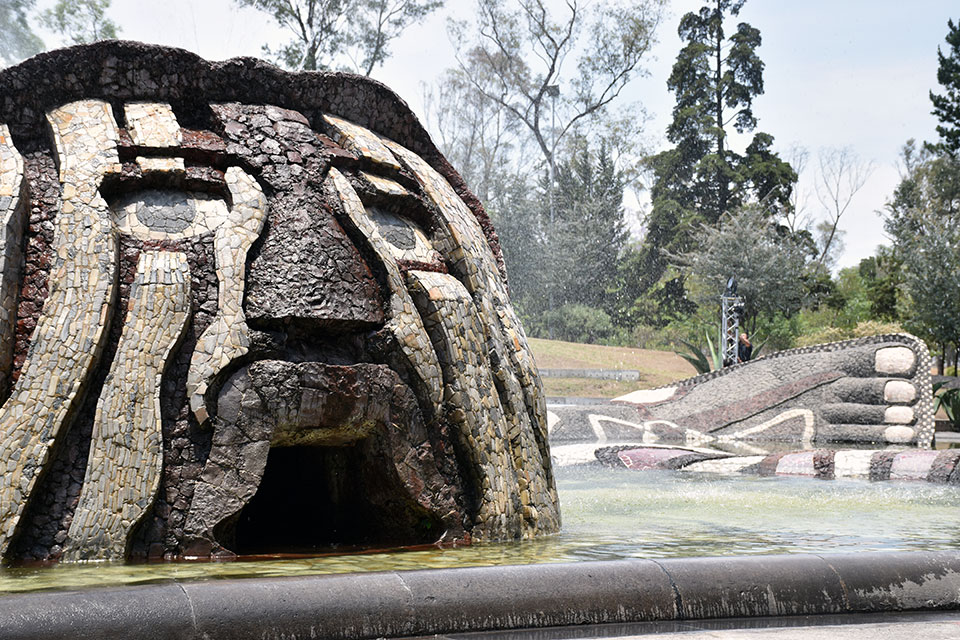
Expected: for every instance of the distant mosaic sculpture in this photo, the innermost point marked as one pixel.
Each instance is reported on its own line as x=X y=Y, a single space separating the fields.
x=874 y=390
x=248 y=311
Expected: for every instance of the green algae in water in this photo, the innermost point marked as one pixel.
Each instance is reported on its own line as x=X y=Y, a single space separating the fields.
x=611 y=514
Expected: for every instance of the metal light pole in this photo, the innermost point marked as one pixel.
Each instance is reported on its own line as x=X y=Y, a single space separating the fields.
x=553 y=90
x=731 y=306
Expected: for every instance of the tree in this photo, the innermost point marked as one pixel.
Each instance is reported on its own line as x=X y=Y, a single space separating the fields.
x=518 y=53
x=589 y=232
x=483 y=142
x=715 y=79
x=842 y=174
x=80 y=21
x=17 y=40
x=768 y=266
x=569 y=256
x=923 y=219
x=947 y=105
x=529 y=78
x=882 y=276
x=325 y=31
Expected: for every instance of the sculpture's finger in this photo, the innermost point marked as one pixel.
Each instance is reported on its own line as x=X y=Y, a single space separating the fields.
x=852 y=413
x=874 y=391
x=866 y=433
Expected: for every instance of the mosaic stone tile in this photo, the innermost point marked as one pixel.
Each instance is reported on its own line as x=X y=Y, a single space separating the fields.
x=898 y=415
x=852 y=463
x=725 y=465
x=641 y=459
x=797 y=464
x=169 y=215
x=912 y=465
x=152 y=124
x=228 y=337
x=13 y=212
x=126 y=455
x=405 y=240
x=161 y=165
x=895 y=360
x=899 y=391
x=463 y=244
x=470 y=398
x=360 y=140
x=69 y=335
x=403 y=320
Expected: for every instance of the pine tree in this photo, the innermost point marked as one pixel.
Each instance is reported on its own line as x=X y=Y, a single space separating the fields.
x=591 y=232
x=715 y=79
x=947 y=106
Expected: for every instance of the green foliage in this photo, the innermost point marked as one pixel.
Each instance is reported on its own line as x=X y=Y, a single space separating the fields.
x=946 y=106
x=588 y=233
x=923 y=219
x=863 y=329
x=774 y=333
x=949 y=401
x=715 y=79
x=17 y=40
x=80 y=21
x=327 y=31
x=703 y=360
x=768 y=267
x=569 y=255
x=883 y=278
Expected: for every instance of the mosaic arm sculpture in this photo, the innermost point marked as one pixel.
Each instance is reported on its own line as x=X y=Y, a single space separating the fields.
x=870 y=390
x=248 y=311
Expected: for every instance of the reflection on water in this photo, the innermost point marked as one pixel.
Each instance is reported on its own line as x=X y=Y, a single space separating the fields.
x=610 y=514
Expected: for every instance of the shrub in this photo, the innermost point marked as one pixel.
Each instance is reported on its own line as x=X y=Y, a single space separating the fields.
x=835 y=334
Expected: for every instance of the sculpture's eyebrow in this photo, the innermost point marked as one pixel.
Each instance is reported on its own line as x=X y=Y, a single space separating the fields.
x=365 y=144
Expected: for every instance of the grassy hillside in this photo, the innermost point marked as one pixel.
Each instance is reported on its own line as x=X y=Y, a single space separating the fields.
x=656 y=367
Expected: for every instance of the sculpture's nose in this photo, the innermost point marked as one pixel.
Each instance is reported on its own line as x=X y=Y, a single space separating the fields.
x=304 y=269
x=307 y=271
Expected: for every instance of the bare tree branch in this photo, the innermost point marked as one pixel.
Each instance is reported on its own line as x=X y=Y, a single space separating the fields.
x=841 y=175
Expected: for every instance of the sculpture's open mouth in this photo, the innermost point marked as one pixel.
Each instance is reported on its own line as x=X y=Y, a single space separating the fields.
x=331 y=455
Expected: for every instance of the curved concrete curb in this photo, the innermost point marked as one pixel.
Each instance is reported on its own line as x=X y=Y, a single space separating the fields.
x=491 y=598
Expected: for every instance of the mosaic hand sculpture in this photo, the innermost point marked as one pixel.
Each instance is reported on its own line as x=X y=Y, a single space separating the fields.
x=870 y=390
x=232 y=319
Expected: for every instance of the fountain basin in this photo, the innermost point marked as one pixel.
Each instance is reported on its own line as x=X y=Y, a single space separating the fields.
x=397 y=604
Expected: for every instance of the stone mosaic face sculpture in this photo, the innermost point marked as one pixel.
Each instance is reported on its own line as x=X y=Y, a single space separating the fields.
x=248 y=311
x=873 y=390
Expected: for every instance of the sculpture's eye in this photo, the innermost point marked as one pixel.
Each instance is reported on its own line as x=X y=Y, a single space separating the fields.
x=168 y=215
x=405 y=239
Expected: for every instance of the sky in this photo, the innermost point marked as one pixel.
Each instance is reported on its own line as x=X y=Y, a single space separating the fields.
x=838 y=73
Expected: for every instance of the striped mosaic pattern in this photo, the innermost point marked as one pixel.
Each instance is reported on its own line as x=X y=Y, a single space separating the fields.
x=941 y=467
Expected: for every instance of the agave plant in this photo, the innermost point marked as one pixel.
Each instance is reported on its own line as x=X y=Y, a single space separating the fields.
x=703 y=362
x=949 y=399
